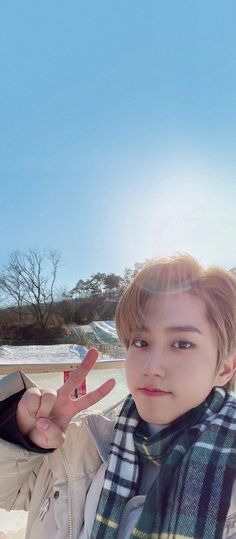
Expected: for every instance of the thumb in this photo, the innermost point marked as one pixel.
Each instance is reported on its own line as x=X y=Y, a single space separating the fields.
x=43 y=423
x=47 y=434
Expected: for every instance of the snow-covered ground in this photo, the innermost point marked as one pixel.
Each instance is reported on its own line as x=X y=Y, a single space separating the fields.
x=58 y=353
x=104 y=331
x=103 y=334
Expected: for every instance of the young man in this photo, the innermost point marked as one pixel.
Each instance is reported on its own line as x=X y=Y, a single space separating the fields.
x=168 y=467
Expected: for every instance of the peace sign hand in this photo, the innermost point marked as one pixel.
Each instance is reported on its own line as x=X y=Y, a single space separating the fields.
x=43 y=415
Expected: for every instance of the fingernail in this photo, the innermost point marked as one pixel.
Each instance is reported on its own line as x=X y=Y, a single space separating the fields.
x=43 y=423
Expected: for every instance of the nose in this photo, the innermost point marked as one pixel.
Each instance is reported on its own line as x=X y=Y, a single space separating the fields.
x=153 y=366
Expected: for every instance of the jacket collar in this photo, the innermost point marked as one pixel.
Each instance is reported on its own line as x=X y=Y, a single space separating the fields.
x=101 y=429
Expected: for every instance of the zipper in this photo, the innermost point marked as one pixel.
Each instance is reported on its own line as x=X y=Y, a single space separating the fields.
x=70 y=518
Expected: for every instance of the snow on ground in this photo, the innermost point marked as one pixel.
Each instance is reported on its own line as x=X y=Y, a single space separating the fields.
x=101 y=334
x=100 y=331
x=105 y=329
x=59 y=353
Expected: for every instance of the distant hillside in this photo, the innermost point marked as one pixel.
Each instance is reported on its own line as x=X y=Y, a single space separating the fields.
x=101 y=334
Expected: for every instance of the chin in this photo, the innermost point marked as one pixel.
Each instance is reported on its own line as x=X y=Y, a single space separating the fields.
x=151 y=417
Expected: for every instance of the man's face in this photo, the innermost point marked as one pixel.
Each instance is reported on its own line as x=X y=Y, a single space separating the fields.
x=171 y=363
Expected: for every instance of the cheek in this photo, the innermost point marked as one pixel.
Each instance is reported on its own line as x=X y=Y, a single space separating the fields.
x=199 y=371
x=130 y=369
x=127 y=367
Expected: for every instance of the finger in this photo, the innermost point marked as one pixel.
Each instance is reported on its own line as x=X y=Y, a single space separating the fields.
x=47 y=434
x=79 y=374
x=94 y=396
x=27 y=409
x=31 y=401
x=48 y=399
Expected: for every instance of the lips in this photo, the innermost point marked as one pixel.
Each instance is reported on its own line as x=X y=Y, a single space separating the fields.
x=153 y=392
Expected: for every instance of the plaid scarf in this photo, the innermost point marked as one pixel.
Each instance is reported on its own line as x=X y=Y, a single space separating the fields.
x=191 y=496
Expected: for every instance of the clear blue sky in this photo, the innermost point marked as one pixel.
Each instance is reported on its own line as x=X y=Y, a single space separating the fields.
x=118 y=131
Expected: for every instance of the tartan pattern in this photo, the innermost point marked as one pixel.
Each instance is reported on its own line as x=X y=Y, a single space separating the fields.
x=191 y=496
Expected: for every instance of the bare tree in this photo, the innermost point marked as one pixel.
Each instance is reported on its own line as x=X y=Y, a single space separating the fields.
x=29 y=279
x=11 y=287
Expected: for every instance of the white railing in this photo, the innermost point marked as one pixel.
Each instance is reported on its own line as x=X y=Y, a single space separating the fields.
x=37 y=367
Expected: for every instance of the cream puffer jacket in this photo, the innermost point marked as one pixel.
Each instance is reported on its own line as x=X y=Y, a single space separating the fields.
x=54 y=487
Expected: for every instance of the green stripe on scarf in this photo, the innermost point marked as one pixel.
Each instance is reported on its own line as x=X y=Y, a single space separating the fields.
x=191 y=496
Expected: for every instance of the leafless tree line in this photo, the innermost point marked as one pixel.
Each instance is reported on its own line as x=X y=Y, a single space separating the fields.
x=30 y=300
x=27 y=284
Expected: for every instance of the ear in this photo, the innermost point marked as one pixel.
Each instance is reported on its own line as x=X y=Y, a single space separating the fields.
x=226 y=371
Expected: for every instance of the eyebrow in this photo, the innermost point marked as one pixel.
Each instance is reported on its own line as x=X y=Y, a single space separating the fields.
x=186 y=328
x=190 y=329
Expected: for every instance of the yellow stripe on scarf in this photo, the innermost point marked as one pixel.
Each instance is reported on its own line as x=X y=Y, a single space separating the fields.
x=149 y=456
x=107 y=522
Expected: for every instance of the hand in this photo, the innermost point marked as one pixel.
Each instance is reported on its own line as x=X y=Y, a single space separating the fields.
x=43 y=415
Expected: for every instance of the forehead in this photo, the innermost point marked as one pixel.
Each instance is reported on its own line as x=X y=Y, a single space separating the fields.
x=175 y=310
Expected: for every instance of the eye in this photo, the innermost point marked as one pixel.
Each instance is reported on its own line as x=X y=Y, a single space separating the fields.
x=139 y=343
x=182 y=345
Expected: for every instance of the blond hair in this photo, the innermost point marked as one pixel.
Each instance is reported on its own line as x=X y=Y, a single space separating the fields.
x=182 y=273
